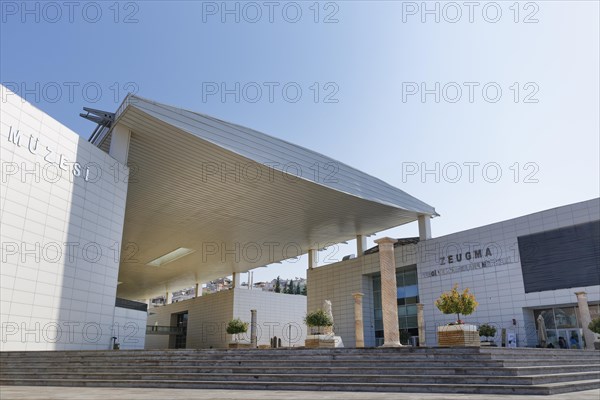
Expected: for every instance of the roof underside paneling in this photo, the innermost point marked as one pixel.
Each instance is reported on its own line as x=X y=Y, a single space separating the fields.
x=239 y=198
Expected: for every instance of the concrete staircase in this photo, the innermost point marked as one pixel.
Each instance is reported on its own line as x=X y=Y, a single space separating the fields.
x=408 y=369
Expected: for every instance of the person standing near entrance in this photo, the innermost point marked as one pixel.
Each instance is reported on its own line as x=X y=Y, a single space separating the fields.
x=574 y=341
x=562 y=343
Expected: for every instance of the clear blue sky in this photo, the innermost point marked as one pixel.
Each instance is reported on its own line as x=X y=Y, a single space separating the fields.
x=369 y=61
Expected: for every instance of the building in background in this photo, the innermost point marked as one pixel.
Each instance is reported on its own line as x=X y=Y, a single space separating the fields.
x=517 y=269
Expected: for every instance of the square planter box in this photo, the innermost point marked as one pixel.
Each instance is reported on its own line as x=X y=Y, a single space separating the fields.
x=458 y=335
x=319 y=342
x=240 y=346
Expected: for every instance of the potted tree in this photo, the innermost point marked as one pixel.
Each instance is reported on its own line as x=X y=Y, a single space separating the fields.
x=457 y=333
x=318 y=321
x=486 y=331
x=235 y=327
x=594 y=326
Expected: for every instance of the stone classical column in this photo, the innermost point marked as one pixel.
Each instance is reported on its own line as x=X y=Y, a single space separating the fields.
x=359 y=332
x=253 y=339
x=387 y=265
x=585 y=318
x=421 y=324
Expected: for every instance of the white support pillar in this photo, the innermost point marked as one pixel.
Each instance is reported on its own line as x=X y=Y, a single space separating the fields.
x=424 y=227
x=389 y=305
x=236 y=279
x=312 y=259
x=119 y=143
x=198 y=289
x=168 y=298
x=361 y=245
x=585 y=318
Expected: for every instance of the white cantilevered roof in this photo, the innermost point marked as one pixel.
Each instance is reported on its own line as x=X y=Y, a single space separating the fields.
x=179 y=199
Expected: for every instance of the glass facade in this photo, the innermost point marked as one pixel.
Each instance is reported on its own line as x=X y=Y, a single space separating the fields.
x=407 y=294
x=563 y=327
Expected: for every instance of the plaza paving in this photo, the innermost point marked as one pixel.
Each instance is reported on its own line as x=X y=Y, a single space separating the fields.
x=79 y=393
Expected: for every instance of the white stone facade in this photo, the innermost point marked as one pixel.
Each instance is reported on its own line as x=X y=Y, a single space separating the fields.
x=208 y=316
x=62 y=216
x=499 y=289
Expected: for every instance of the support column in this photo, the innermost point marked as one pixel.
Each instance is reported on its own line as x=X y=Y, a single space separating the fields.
x=361 y=245
x=421 y=325
x=119 y=143
x=198 y=289
x=424 y=227
x=585 y=318
x=359 y=331
x=312 y=263
x=235 y=280
x=387 y=265
x=253 y=338
x=167 y=299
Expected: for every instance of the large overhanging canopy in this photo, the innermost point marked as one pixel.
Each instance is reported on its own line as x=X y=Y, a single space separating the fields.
x=212 y=198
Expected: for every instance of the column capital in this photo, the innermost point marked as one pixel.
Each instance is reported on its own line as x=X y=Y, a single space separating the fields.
x=385 y=240
x=357 y=295
x=578 y=294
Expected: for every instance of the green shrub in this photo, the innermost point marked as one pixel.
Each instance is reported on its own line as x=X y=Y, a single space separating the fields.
x=594 y=326
x=318 y=319
x=487 y=331
x=236 y=326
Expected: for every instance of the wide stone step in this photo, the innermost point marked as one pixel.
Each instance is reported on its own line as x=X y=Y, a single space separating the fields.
x=274 y=369
x=266 y=354
x=262 y=364
x=333 y=378
x=265 y=357
x=256 y=355
x=83 y=361
x=302 y=352
x=445 y=370
x=545 y=389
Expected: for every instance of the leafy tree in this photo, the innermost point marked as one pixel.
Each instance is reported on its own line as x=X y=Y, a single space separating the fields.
x=278 y=285
x=318 y=319
x=303 y=291
x=594 y=326
x=454 y=302
x=297 y=288
x=236 y=326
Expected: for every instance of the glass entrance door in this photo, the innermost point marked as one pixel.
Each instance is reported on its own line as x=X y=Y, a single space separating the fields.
x=181 y=337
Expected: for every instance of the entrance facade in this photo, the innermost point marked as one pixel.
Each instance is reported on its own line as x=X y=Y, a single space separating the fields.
x=563 y=327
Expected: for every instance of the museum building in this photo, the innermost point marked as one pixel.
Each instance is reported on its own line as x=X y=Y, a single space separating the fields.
x=161 y=198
